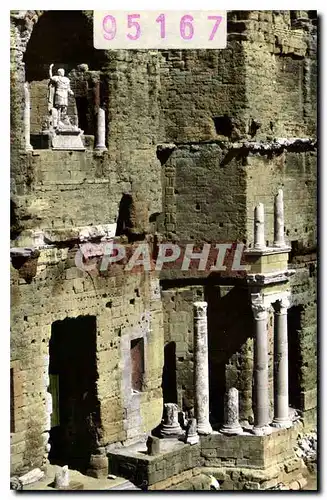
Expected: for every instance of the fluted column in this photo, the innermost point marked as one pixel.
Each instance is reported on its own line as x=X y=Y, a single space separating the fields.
x=279 y=240
x=101 y=130
x=27 y=117
x=259 y=227
x=260 y=367
x=281 y=396
x=201 y=368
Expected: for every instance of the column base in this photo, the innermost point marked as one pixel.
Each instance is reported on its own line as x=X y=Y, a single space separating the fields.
x=100 y=148
x=231 y=431
x=281 y=423
x=204 y=428
x=168 y=431
x=262 y=431
x=192 y=439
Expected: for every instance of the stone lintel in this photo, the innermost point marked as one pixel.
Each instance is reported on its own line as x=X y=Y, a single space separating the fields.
x=267 y=251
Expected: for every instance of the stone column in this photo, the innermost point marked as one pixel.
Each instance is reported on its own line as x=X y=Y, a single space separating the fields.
x=101 y=130
x=279 y=240
x=231 y=413
x=259 y=227
x=191 y=435
x=27 y=117
x=281 y=406
x=170 y=427
x=260 y=368
x=201 y=368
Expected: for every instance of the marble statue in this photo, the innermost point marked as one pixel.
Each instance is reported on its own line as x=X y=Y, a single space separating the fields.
x=64 y=134
x=59 y=89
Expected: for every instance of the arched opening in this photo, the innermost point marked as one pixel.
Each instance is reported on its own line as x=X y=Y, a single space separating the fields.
x=64 y=38
x=75 y=408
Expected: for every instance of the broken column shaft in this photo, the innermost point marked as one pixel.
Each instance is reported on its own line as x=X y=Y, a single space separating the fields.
x=259 y=227
x=101 y=130
x=279 y=240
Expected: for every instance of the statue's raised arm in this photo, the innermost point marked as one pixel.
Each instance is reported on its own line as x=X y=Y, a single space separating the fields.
x=50 y=71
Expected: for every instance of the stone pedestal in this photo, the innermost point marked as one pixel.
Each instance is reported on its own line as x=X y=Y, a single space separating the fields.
x=281 y=397
x=170 y=427
x=260 y=368
x=101 y=130
x=153 y=445
x=201 y=368
x=279 y=239
x=231 y=413
x=27 y=115
x=192 y=436
x=259 y=227
x=67 y=139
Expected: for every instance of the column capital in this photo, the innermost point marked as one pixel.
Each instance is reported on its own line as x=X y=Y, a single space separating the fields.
x=259 y=308
x=200 y=309
x=281 y=305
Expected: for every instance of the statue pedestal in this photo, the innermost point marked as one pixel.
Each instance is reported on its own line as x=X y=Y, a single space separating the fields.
x=67 y=139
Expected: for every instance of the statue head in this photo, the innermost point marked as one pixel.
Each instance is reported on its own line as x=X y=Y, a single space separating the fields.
x=61 y=72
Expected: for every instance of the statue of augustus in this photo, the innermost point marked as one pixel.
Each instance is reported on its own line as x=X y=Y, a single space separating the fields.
x=59 y=88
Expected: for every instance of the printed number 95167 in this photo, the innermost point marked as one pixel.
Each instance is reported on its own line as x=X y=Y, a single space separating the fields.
x=151 y=29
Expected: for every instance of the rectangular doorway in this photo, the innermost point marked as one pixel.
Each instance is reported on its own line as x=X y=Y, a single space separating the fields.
x=73 y=375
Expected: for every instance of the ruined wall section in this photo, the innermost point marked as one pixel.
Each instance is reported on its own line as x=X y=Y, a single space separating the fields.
x=280 y=52
x=203 y=94
x=125 y=306
x=280 y=60
x=195 y=207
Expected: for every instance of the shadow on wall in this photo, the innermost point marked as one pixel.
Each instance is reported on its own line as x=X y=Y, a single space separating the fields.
x=230 y=330
x=169 y=382
x=61 y=37
x=294 y=355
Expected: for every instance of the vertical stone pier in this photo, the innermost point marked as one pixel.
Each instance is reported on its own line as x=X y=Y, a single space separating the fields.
x=27 y=117
x=259 y=227
x=279 y=239
x=201 y=368
x=101 y=130
x=260 y=367
x=281 y=396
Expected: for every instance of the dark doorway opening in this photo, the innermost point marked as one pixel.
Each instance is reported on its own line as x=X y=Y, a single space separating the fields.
x=294 y=355
x=75 y=414
x=169 y=382
x=124 y=221
x=230 y=327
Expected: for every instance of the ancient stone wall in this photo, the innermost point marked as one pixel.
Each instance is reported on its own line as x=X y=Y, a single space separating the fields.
x=174 y=122
x=125 y=307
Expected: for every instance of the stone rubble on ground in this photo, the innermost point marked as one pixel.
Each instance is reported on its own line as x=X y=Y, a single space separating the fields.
x=307 y=447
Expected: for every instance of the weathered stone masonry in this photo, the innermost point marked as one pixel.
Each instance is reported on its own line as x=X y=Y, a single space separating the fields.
x=195 y=140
